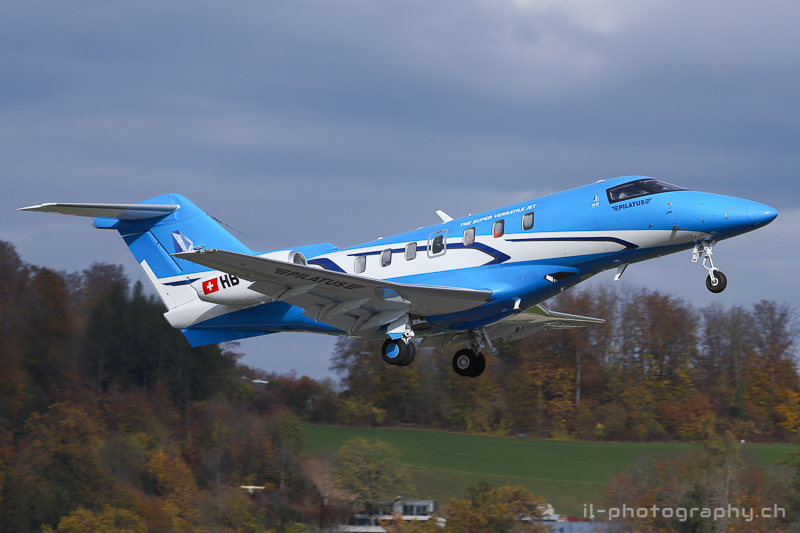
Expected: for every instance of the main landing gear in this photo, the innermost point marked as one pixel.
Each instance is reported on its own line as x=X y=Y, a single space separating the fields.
x=398 y=349
x=716 y=280
x=470 y=362
x=400 y=352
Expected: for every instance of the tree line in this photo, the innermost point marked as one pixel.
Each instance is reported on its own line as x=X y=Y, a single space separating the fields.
x=108 y=417
x=110 y=421
x=653 y=371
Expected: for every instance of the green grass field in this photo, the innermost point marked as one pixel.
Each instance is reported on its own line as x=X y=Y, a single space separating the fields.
x=566 y=474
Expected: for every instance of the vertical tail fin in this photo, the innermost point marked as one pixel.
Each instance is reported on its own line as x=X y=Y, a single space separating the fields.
x=153 y=239
x=154 y=229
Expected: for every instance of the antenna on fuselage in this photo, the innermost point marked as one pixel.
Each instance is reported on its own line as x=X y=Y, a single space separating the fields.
x=444 y=216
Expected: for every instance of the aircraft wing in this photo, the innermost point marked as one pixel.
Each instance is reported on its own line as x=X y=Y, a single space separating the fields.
x=535 y=319
x=355 y=304
x=518 y=326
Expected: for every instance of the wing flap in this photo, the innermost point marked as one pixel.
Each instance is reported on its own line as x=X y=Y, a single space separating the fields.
x=514 y=327
x=536 y=319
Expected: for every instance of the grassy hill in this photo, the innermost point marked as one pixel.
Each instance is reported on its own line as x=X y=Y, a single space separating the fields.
x=567 y=474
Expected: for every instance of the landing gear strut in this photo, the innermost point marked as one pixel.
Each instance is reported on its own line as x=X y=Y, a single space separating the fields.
x=716 y=280
x=470 y=362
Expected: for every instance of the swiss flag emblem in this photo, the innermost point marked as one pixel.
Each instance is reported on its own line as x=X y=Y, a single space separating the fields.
x=210 y=286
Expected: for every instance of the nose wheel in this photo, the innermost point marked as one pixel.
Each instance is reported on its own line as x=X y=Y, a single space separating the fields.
x=718 y=283
x=716 y=280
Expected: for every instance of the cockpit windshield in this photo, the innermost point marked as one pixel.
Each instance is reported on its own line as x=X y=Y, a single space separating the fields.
x=635 y=189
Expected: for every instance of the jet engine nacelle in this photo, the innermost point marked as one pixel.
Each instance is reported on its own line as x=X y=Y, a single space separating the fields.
x=289 y=256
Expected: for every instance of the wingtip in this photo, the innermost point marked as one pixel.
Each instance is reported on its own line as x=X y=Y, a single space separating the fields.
x=30 y=207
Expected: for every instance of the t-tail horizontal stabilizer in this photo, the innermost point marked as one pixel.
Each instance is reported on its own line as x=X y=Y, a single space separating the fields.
x=118 y=211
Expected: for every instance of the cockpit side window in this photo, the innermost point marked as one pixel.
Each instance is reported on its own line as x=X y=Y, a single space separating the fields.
x=635 y=189
x=657 y=186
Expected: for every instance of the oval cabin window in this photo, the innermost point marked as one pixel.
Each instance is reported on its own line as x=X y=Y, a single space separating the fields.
x=498 y=229
x=386 y=257
x=527 y=221
x=469 y=236
x=411 y=251
x=361 y=264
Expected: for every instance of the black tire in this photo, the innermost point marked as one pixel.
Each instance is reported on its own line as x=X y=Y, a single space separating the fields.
x=465 y=362
x=721 y=282
x=394 y=352
x=480 y=366
x=410 y=355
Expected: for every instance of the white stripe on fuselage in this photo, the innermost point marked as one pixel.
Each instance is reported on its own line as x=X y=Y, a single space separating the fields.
x=558 y=245
x=520 y=247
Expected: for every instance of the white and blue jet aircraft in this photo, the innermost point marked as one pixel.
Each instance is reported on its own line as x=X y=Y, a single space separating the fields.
x=467 y=281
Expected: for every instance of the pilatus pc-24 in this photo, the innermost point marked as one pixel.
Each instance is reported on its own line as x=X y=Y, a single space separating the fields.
x=468 y=281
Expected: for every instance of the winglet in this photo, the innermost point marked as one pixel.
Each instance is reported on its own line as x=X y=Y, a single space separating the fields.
x=444 y=216
x=542 y=311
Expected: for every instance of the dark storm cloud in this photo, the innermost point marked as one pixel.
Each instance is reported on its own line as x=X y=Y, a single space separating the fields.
x=310 y=121
x=345 y=88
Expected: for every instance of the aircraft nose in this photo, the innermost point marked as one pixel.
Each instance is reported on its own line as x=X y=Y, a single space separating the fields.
x=760 y=213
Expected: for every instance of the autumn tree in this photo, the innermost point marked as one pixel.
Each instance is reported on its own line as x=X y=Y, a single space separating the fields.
x=289 y=439
x=495 y=510
x=110 y=520
x=371 y=472
x=715 y=476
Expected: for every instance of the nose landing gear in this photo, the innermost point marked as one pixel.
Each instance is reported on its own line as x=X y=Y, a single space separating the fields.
x=716 y=280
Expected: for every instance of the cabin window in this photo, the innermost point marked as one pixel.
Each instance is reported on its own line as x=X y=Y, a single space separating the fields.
x=361 y=264
x=499 y=228
x=411 y=251
x=386 y=257
x=437 y=243
x=469 y=236
x=527 y=221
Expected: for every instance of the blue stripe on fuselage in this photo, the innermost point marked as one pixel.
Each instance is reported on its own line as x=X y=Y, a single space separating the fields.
x=570 y=211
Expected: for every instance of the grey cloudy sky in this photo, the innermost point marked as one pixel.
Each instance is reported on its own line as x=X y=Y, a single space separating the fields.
x=317 y=121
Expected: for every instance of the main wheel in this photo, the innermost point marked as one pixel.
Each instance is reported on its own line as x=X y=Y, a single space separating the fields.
x=481 y=366
x=394 y=352
x=718 y=284
x=410 y=355
x=465 y=363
